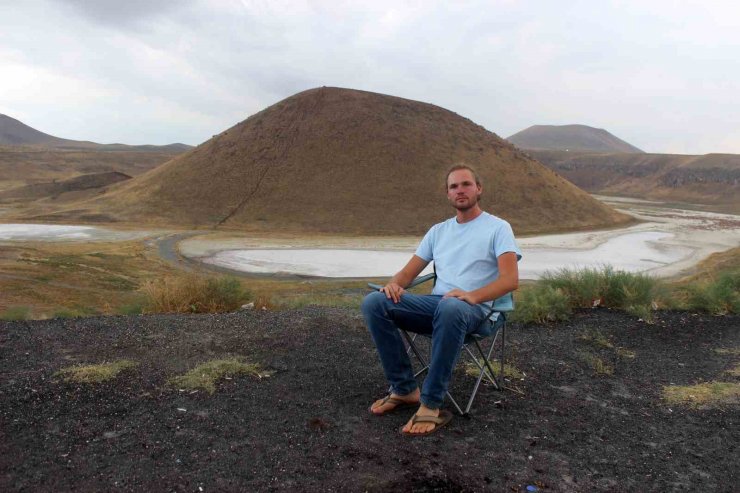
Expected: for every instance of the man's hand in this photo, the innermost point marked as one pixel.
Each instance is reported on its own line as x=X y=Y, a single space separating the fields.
x=393 y=291
x=466 y=296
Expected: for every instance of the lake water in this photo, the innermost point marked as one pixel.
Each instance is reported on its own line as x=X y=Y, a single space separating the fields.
x=634 y=252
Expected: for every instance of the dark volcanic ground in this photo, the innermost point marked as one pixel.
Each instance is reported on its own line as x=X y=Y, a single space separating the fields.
x=307 y=428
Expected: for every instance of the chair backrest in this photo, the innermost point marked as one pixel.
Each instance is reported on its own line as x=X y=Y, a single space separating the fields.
x=504 y=303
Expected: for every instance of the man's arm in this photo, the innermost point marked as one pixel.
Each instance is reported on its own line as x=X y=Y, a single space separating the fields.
x=508 y=280
x=403 y=278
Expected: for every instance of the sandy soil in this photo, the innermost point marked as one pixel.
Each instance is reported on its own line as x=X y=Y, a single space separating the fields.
x=563 y=427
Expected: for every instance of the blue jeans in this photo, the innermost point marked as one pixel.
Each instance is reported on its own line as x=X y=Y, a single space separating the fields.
x=448 y=320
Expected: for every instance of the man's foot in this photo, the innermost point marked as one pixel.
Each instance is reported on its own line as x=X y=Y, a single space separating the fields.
x=421 y=428
x=393 y=401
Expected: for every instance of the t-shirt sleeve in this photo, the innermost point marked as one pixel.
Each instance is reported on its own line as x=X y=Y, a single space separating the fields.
x=504 y=242
x=424 y=250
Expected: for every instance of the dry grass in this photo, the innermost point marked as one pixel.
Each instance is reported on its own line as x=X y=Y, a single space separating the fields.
x=206 y=375
x=625 y=353
x=69 y=279
x=703 y=394
x=194 y=293
x=710 y=268
x=510 y=371
x=734 y=371
x=734 y=351
x=597 y=364
x=596 y=339
x=94 y=373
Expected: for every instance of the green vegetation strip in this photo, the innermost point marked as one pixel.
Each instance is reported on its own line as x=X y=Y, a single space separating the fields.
x=94 y=373
x=703 y=394
x=206 y=375
x=16 y=313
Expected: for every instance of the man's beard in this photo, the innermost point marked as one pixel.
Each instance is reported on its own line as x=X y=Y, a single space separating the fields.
x=468 y=204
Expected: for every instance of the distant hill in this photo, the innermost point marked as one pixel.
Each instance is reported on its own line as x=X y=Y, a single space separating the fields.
x=346 y=161
x=711 y=179
x=29 y=165
x=14 y=132
x=570 y=138
x=57 y=189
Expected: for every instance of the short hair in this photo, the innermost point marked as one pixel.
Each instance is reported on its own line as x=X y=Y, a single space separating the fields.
x=460 y=166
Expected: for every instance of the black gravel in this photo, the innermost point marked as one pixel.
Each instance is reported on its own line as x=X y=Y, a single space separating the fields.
x=563 y=427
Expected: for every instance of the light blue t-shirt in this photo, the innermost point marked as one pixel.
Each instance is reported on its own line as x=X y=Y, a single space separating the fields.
x=466 y=255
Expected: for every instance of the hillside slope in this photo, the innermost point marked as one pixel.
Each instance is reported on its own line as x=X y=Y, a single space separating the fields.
x=57 y=189
x=14 y=132
x=341 y=160
x=570 y=138
x=711 y=179
x=29 y=165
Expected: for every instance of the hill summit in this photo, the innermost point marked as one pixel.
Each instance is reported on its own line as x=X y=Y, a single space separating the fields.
x=570 y=138
x=347 y=161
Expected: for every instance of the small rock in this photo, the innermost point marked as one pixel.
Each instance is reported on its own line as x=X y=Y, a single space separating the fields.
x=248 y=306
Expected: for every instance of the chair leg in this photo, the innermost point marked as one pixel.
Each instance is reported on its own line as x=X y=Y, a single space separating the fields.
x=484 y=368
x=503 y=342
x=425 y=366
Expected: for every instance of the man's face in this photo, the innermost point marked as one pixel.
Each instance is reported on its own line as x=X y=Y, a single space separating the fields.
x=462 y=191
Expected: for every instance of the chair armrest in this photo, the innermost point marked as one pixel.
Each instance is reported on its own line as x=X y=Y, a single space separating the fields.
x=415 y=282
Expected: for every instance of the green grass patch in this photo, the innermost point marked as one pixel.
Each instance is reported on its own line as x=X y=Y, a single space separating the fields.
x=206 y=375
x=703 y=394
x=717 y=296
x=73 y=312
x=94 y=373
x=134 y=307
x=16 y=313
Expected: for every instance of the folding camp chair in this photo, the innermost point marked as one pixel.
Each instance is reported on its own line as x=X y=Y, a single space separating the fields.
x=471 y=340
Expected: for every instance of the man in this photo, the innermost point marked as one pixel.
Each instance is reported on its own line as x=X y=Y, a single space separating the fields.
x=475 y=257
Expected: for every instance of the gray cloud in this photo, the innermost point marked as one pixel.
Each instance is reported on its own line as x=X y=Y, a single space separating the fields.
x=664 y=79
x=119 y=13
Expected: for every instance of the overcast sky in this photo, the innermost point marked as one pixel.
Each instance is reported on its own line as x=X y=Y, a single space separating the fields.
x=662 y=75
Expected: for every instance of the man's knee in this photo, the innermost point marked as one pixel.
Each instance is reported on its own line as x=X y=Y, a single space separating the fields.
x=452 y=306
x=373 y=303
x=452 y=313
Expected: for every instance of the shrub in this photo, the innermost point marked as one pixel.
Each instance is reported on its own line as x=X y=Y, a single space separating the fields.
x=194 y=294
x=16 y=313
x=541 y=303
x=634 y=292
x=718 y=297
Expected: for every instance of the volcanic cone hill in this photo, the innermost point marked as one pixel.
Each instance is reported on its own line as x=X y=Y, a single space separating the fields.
x=570 y=138
x=340 y=160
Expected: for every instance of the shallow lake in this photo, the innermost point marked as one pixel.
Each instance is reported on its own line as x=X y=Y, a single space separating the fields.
x=634 y=252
